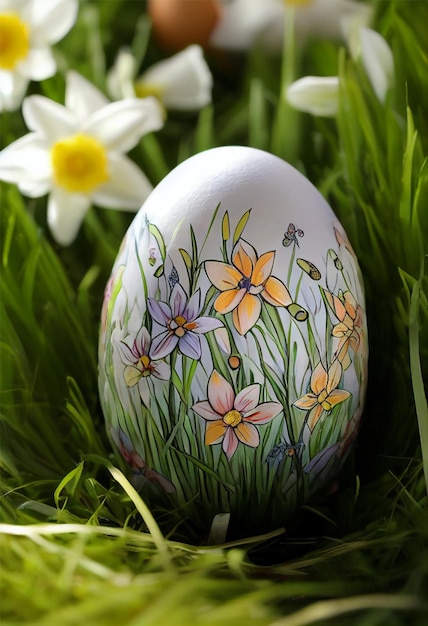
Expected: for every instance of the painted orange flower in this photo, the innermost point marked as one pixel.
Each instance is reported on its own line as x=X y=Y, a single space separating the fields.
x=243 y=283
x=350 y=327
x=324 y=394
x=233 y=419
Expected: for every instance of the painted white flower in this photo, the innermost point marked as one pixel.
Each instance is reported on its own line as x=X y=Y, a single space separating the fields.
x=318 y=95
x=28 y=29
x=76 y=153
x=245 y=21
x=182 y=82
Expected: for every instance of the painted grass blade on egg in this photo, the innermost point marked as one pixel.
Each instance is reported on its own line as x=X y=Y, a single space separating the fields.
x=240 y=226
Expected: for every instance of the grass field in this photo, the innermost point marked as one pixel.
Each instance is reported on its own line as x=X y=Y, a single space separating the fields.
x=78 y=544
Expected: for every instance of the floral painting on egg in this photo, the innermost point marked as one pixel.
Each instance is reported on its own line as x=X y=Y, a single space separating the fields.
x=232 y=396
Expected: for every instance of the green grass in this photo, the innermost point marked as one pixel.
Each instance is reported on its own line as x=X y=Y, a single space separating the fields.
x=78 y=544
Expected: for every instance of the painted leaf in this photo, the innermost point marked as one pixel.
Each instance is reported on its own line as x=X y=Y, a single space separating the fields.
x=241 y=225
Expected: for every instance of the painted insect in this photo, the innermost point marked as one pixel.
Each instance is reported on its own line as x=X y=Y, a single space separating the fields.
x=282 y=450
x=290 y=235
x=173 y=278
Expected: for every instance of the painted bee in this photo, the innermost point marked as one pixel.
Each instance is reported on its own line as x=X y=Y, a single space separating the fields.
x=290 y=235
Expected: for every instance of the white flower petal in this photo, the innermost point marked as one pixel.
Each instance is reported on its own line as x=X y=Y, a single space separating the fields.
x=242 y=21
x=38 y=64
x=12 y=89
x=35 y=188
x=127 y=188
x=82 y=97
x=318 y=95
x=324 y=18
x=52 y=19
x=47 y=22
x=316 y=18
x=352 y=21
x=26 y=159
x=120 y=79
x=65 y=214
x=185 y=79
x=48 y=118
x=120 y=125
x=15 y=5
x=378 y=61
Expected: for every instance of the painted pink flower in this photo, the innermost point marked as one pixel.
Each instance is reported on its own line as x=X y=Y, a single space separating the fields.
x=139 y=366
x=233 y=418
x=182 y=324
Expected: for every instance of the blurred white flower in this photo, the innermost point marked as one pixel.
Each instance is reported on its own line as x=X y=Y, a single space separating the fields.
x=182 y=82
x=76 y=153
x=28 y=29
x=243 y=22
x=318 y=95
x=376 y=57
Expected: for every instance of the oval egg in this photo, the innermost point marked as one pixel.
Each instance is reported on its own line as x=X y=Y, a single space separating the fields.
x=233 y=348
x=179 y=23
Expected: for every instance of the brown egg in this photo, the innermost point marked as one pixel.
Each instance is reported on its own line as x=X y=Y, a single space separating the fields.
x=179 y=23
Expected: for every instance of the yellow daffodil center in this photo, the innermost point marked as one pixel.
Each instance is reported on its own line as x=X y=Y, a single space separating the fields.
x=145 y=365
x=232 y=418
x=79 y=164
x=14 y=40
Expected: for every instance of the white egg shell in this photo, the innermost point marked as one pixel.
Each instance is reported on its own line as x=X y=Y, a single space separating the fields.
x=233 y=348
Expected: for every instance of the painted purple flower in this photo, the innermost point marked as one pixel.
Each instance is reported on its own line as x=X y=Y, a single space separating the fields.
x=139 y=366
x=182 y=324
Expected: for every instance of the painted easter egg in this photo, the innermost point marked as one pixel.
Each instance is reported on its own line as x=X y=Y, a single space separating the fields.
x=233 y=345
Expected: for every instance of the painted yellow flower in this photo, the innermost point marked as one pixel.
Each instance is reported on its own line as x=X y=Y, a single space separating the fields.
x=243 y=283
x=324 y=394
x=350 y=327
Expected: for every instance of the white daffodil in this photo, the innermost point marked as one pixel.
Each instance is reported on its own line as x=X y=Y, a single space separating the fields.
x=376 y=57
x=28 y=29
x=318 y=95
x=242 y=22
x=76 y=153
x=182 y=82
x=245 y=21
